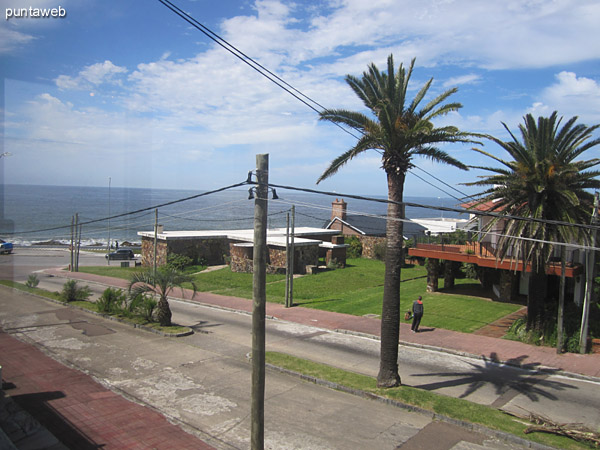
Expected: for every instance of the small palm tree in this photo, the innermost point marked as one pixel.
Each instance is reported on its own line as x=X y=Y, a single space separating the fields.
x=543 y=179
x=398 y=131
x=160 y=282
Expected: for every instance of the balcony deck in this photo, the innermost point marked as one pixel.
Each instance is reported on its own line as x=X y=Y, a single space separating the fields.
x=483 y=254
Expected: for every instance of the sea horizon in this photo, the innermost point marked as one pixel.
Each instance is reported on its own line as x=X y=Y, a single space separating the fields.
x=42 y=213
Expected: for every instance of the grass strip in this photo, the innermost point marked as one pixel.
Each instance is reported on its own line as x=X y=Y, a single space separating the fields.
x=93 y=307
x=31 y=290
x=454 y=408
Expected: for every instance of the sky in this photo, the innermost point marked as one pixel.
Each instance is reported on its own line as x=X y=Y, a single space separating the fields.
x=128 y=91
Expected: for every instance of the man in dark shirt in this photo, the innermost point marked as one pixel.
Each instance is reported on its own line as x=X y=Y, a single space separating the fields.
x=417 y=314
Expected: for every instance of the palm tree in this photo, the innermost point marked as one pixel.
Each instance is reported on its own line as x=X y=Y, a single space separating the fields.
x=160 y=282
x=399 y=132
x=543 y=180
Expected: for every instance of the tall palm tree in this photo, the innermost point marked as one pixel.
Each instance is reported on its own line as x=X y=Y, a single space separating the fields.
x=160 y=282
x=543 y=179
x=398 y=131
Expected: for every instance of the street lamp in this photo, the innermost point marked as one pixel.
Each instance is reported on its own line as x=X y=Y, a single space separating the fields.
x=2 y=155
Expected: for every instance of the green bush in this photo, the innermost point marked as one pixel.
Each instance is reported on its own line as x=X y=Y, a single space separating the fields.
x=178 y=262
x=354 y=249
x=147 y=307
x=32 y=281
x=334 y=264
x=112 y=300
x=379 y=250
x=470 y=270
x=71 y=292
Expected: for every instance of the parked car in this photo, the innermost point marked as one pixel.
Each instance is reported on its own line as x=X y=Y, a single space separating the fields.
x=5 y=247
x=122 y=253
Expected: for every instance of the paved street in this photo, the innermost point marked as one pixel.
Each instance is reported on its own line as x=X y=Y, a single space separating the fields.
x=202 y=381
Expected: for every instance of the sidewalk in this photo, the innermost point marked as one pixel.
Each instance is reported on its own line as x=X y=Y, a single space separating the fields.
x=83 y=414
x=485 y=347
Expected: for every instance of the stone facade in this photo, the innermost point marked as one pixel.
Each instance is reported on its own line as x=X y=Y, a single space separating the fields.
x=241 y=259
x=212 y=251
x=450 y=270
x=148 y=253
x=369 y=243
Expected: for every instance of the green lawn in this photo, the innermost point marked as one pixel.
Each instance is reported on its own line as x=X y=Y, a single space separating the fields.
x=356 y=289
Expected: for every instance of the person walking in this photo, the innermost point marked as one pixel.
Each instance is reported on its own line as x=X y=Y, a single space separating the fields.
x=417 y=309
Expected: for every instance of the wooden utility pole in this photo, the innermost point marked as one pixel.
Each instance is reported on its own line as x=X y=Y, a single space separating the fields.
x=292 y=254
x=259 y=261
x=589 y=283
x=155 y=240
x=72 y=265
x=287 y=261
x=561 y=300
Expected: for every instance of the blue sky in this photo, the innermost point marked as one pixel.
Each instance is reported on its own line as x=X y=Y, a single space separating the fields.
x=130 y=91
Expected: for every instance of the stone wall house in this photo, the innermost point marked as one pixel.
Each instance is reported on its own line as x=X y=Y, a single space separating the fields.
x=368 y=229
x=217 y=247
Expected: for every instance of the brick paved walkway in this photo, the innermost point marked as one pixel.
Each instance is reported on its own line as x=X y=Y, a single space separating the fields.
x=80 y=412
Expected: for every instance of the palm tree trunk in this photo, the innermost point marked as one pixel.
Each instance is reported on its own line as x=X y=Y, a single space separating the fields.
x=390 y=312
x=536 y=297
x=163 y=313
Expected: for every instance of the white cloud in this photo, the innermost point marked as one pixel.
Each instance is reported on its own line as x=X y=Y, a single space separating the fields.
x=10 y=40
x=462 y=79
x=91 y=76
x=570 y=96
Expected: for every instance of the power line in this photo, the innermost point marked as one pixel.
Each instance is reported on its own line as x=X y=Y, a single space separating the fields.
x=138 y=210
x=271 y=76
x=438 y=208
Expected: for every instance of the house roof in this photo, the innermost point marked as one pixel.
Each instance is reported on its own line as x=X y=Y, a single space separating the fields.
x=375 y=226
x=275 y=236
x=478 y=205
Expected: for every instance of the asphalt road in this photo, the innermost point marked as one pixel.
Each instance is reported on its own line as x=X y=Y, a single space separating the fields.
x=515 y=390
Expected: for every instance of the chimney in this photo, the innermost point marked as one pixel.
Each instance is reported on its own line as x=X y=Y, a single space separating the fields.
x=338 y=209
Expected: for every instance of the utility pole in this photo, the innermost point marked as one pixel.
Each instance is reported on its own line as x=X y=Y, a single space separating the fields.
x=155 y=239
x=561 y=300
x=78 y=235
x=290 y=251
x=589 y=283
x=292 y=254
x=108 y=243
x=259 y=278
x=287 y=260
x=72 y=265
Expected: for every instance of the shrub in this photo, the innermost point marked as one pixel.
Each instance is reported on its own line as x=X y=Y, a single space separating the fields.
x=379 y=250
x=112 y=300
x=147 y=307
x=334 y=264
x=32 y=281
x=470 y=270
x=354 y=249
x=178 y=262
x=71 y=292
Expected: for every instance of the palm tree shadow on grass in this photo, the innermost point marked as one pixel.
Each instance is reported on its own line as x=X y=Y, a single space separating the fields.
x=533 y=386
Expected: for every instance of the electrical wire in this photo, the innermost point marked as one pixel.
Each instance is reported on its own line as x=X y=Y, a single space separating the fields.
x=438 y=208
x=274 y=78
x=203 y=194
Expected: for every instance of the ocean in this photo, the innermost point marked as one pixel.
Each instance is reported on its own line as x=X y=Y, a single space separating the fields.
x=35 y=214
